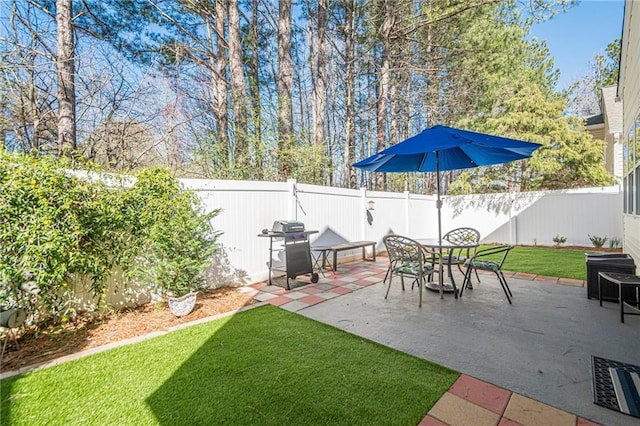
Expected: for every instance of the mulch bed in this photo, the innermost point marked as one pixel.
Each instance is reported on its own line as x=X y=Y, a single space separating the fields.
x=45 y=345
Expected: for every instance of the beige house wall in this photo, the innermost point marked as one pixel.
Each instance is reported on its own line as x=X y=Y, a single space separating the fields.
x=609 y=153
x=629 y=89
x=597 y=131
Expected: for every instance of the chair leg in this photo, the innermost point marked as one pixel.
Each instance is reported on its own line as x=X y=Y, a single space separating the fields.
x=386 y=275
x=389 y=285
x=505 y=286
x=465 y=280
x=504 y=280
x=469 y=285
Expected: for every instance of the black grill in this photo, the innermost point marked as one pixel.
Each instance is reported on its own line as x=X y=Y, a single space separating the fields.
x=291 y=237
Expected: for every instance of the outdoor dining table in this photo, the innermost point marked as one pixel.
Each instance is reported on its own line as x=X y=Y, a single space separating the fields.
x=434 y=246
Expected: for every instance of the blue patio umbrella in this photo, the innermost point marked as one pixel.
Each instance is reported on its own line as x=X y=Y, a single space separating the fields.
x=446 y=148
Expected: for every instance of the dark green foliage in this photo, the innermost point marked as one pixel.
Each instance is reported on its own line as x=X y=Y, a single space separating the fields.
x=597 y=241
x=559 y=239
x=175 y=237
x=53 y=226
x=57 y=228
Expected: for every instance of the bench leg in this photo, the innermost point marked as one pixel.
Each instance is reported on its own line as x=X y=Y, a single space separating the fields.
x=373 y=254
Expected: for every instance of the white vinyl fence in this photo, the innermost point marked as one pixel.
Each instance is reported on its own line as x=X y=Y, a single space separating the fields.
x=342 y=215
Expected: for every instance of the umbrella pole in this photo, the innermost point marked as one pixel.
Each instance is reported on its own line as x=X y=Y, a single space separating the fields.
x=439 y=207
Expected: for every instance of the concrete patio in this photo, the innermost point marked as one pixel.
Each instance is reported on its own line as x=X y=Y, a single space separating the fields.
x=540 y=347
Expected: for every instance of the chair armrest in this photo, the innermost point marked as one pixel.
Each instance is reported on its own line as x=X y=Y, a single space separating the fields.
x=492 y=250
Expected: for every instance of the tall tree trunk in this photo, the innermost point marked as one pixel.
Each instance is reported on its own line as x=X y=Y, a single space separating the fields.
x=238 y=86
x=431 y=95
x=394 y=99
x=255 y=92
x=350 y=134
x=369 y=143
x=34 y=113
x=219 y=83
x=285 y=82
x=320 y=87
x=381 y=104
x=65 y=64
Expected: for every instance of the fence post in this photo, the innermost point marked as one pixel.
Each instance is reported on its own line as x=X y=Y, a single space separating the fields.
x=406 y=213
x=292 y=208
x=513 y=221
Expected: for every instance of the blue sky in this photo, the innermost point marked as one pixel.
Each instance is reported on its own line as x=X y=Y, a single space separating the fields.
x=575 y=37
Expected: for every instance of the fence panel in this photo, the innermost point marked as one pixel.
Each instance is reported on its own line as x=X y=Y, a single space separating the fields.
x=343 y=215
x=247 y=209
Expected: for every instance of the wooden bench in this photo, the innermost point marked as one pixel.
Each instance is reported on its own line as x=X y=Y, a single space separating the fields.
x=335 y=249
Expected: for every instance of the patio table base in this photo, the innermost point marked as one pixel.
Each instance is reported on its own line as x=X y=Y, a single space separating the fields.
x=434 y=286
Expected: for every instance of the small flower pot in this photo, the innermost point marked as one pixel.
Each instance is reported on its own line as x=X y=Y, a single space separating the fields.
x=181 y=306
x=12 y=318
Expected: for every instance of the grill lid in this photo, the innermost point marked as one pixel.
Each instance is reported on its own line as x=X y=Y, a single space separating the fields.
x=287 y=226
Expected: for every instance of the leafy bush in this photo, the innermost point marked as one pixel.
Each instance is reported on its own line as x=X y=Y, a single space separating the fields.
x=559 y=239
x=597 y=241
x=614 y=242
x=56 y=226
x=176 y=238
x=53 y=226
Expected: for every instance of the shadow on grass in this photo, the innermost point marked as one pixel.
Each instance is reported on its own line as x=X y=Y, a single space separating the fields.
x=262 y=366
x=270 y=366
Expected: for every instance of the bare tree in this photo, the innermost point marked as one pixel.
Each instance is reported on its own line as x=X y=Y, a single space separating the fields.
x=349 y=173
x=319 y=83
x=383 y=85
x=255 y=89
x=218 y=73
x=238 y=86
x=285 y=84
x=65 y=63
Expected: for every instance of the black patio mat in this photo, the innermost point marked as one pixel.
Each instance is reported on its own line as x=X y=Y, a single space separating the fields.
x=616 y=385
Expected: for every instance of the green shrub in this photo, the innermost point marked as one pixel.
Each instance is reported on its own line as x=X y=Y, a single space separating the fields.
x=55 y=226
x=176 y=238
x=597 y=241
x=559 y=240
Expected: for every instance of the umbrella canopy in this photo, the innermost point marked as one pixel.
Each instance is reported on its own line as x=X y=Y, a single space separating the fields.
x=446 y=148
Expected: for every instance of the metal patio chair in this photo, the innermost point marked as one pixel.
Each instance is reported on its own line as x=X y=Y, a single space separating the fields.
x=408 y=257
x=459 y=255
x=489 y=259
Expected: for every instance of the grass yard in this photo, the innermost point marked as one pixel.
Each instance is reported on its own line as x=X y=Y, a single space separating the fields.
x=262 y=366
x=547 y=261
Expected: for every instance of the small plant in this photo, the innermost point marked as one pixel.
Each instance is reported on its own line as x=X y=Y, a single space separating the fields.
x=597 y=242
x=614 y=242
x=559 y=240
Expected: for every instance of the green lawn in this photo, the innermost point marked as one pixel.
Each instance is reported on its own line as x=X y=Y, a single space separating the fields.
x=263 y=366
x=548 y=261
